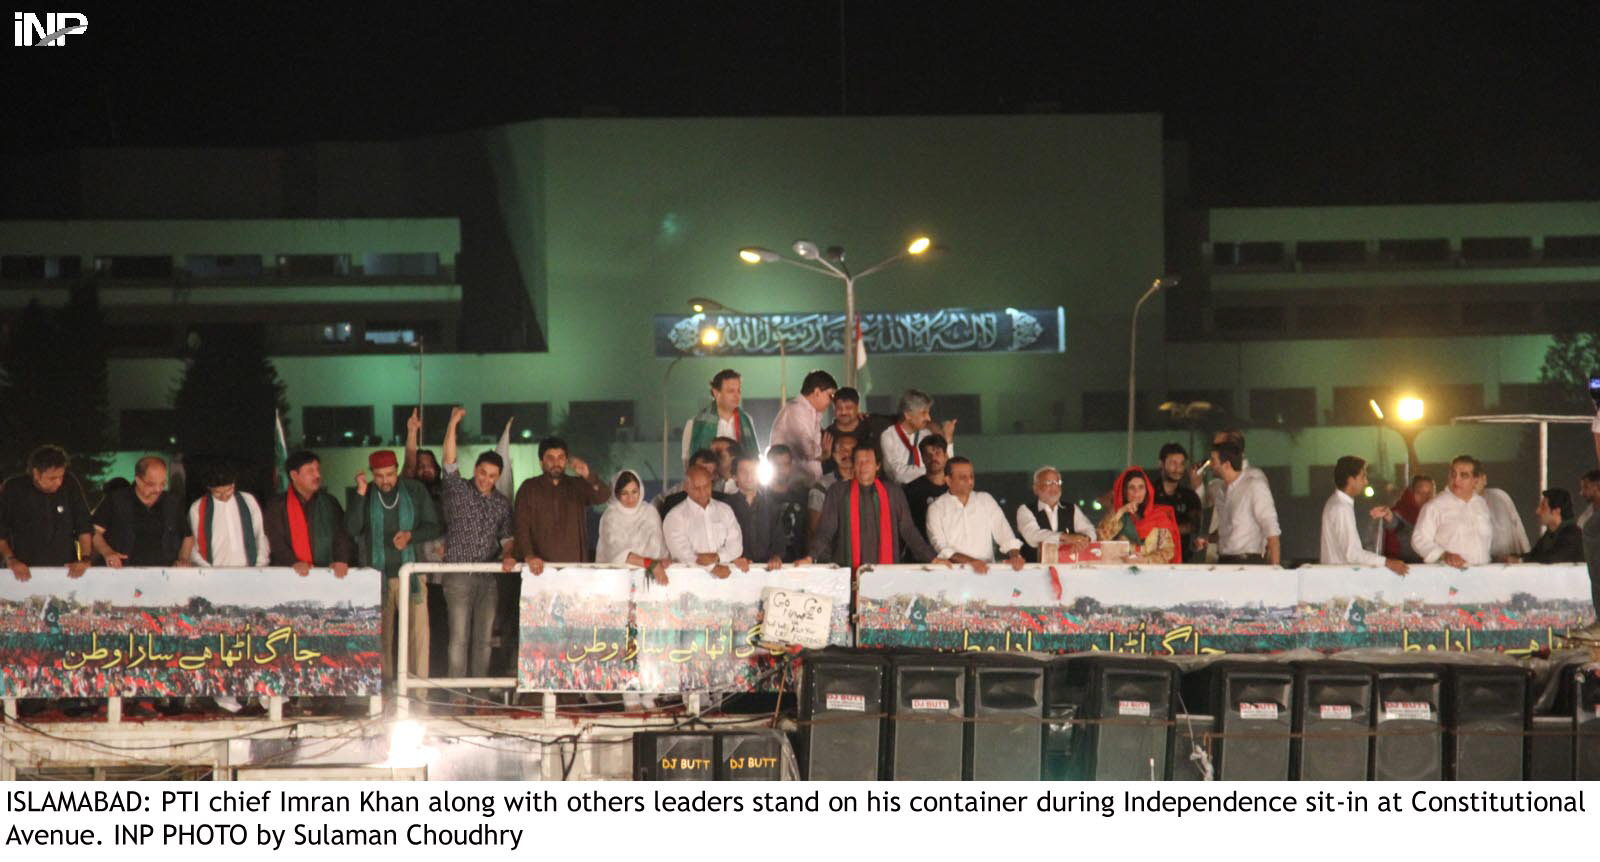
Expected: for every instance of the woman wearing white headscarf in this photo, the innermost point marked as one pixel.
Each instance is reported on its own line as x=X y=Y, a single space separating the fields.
x=630 y=529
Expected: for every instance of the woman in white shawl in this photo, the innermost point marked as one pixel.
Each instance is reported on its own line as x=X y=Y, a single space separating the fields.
x=630 y=529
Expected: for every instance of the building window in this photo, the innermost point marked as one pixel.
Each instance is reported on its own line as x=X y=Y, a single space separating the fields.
x=434 y=419
x=1547 y=398
x=1497 y=316
x=530 y=420
x=337 y=426
x=1572 y=247
x=1225 y=254
x=1497 y=248
x=35 y=266
x=965 y=409
x=1414 y=250
x=147 y=430
x=204 y=266
x=1413 y=318
x=392 y=333
x=1331 y=252
x=1107 y=410
x=134 y=266
x=145 y=337
x=599 y=422
x=313 y=265
x=1350 y=405
x=335 y=333
x=409 y=264
x=1284 y=408
x=1331 y=319
x=1184 y=407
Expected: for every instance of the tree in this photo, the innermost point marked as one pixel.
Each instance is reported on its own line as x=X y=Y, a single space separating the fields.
x=54 y=387
x=1568 y=363
x=225 y=403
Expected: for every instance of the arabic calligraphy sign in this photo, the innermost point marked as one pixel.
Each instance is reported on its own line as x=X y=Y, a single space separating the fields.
x=1192 y=610
x=946 y=330
x=602 y=629
x=175 y=632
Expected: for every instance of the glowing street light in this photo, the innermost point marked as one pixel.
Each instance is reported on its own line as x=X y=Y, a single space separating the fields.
x=831 y=263
x=1371 y=402
x=710 y=336
x=1409 y=409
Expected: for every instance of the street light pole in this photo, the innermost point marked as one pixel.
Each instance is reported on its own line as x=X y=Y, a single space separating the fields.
x=1133 y=361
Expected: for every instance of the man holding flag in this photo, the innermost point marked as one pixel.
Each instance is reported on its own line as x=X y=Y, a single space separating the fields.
x=390 y=518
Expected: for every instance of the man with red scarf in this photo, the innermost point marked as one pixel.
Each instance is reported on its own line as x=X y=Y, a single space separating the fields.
x=866 y=521
x=1403 y=517
x=305 y=527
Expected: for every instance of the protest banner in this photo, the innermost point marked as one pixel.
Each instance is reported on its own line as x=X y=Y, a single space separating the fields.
x=189 y=631
x=1168 y=610
x=597 y=629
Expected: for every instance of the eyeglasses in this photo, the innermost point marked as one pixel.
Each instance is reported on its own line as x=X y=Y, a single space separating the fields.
x=1053 y=483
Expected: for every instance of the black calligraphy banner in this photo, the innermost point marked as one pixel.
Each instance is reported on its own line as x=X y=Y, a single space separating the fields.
x=947 y=330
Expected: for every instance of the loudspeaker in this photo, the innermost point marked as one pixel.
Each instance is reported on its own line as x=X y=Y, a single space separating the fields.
x=1124 y=705
x=1551 y=748
x=1190 y=734
x=1409 y=745
x=1586 y=713
x=841 y=708
x=927 y=717
x=749 y=755
x=1005 y=735
x=1486 y=716
x=673 y=756
x=1332 y=722
x=1251 y=701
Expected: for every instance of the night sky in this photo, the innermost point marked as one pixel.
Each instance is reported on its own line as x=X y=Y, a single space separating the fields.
x=1280 y=103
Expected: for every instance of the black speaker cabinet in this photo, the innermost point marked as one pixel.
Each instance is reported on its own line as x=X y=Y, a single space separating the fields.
x=927 y=717
x=841 y=708
x=1486 y=721
x=1586 y=703
x=674 y=756
x=1551 y=748
x=1332 y=721
x=1124 y=705
x=1191 y=747
x=1251 y=701
x=1409 y=745
x=749 y=755
x=1005 y=735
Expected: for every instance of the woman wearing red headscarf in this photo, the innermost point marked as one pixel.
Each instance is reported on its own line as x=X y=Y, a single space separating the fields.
x=1150 y=529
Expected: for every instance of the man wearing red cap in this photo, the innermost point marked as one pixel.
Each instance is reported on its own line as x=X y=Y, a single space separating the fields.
x=390 y=518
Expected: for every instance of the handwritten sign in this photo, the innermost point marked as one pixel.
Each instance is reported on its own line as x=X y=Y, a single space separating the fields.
x=791 y=618
x=190 y=631
x=1178 y=610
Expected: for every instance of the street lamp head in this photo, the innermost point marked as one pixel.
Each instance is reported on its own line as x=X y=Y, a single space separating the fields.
x=756 y=254
x=703 y=304
x=919 y=245
x=1376 y=410
x=1409 y=409
x=806 y=249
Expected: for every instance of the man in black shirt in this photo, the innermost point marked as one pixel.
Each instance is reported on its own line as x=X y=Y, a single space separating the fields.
x=1562 y=541
x=791 y=495
x=144 y=524
x=1174 y=490
x=923 y=490
x=758 y=513
x=44 y=517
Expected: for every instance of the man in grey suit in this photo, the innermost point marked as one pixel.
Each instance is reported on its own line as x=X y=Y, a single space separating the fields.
x=870 y=512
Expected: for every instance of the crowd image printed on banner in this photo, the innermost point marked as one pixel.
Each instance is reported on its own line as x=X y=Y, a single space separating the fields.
x=178 y=632
x=1167 y=610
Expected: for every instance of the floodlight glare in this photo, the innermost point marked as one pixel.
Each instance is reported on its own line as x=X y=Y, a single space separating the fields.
x=919 y=245
x=806 y=249
x=710 y=337
x=1376 y=410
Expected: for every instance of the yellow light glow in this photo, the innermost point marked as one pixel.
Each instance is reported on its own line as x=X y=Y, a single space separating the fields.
x=698 y=308
x=749 y=256
x=710 y=336
x=1409 y=410
x=1368 y=492
x=1376 y=410
x=919 y=245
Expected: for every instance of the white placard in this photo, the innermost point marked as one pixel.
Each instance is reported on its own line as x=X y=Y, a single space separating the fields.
x=795 y=618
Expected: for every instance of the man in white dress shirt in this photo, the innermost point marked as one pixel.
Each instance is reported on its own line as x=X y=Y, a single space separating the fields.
x=1247 y=519
x=227 y=525
x=902 y=460
x=702 y=531
x=1341 y=539
x=964 y=525
x=1047 y=520
x=799 y=424
x=1455 y=527
x=1510 y=537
